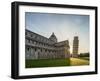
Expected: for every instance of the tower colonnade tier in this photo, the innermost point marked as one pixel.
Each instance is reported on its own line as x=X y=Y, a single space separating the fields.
x=75 y=46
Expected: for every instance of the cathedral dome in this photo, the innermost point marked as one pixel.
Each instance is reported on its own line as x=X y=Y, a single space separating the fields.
x=53 y=37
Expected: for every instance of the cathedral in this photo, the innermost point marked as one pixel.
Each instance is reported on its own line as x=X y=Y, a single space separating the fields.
x=40 y=47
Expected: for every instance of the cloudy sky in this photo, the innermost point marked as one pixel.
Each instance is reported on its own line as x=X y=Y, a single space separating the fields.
x=65 y=27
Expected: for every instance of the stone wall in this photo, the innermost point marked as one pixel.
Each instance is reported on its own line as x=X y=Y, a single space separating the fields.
x=40 y=47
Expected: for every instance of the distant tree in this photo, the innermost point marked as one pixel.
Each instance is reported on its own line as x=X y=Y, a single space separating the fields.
x=84 y=55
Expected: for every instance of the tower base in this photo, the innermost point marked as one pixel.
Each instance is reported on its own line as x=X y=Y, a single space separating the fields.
x=75 y=55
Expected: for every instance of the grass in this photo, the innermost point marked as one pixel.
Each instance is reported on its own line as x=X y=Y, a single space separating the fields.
x=47 y=63
x=78 y=61
x=85 y=58
x=56 y=62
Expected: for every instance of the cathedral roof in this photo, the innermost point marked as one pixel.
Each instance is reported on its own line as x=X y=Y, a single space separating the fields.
x=53 y=35
x=39 y=37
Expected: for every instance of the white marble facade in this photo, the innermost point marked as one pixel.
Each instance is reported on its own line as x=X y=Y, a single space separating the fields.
x=40 y=47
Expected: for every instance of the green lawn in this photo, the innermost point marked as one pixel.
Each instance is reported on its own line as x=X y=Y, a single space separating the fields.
x=47 y=63
x=78 y=61
x=56 y=62
x=85 y=58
